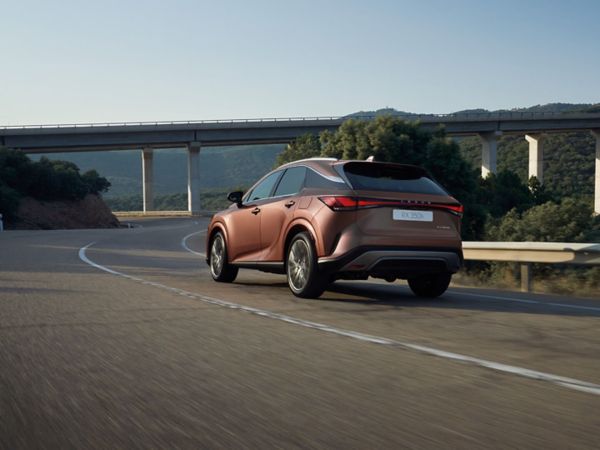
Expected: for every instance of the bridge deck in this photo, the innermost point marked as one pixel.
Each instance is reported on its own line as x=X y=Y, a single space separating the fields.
x=127 y=135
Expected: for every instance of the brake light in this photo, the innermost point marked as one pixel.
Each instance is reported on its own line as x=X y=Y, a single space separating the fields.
x=454 y=209
x=340 y=203
x=345 y=203
x=374 y=203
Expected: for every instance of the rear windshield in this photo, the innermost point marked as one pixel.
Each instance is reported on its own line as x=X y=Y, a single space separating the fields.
x=392 y=178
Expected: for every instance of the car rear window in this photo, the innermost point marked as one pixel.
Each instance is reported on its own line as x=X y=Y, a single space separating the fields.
x=370 y=176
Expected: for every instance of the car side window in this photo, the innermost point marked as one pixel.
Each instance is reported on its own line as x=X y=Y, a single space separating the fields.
x=264 y=188
x=318 y=181
x=291 y=182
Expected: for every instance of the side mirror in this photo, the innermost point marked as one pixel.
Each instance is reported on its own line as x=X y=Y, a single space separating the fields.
x=236 y=197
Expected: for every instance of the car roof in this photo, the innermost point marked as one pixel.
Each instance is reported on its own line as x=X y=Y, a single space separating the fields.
x=326 y=165
x=322 y=165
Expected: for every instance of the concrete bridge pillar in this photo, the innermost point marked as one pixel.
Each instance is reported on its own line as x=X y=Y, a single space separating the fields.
x=536 y=156
x=147 y=176
x=194 y=177
x=596 y=134
x=489 y=147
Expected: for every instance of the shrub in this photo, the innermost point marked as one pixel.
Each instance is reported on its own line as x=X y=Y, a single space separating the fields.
x=43 y=180
x=9 y=202
x=572 y=220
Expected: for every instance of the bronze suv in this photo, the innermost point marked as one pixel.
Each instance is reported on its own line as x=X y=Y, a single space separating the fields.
x=321 y=219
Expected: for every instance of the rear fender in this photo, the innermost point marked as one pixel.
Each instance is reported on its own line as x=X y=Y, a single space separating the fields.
x=305 y=225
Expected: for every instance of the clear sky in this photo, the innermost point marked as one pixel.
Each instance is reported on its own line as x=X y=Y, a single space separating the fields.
x=81 y=61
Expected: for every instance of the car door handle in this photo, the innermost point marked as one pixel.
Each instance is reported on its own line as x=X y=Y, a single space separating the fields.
x=255 y=211
x=290 y=204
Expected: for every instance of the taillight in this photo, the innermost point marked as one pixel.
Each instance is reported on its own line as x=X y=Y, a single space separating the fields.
x=375 y=203
x=340 y=203
x=346 y=203
x=454 y=209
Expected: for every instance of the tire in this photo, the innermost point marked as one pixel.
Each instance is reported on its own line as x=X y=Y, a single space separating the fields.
x=220 y=269
x=302 y=270
x=430 y=286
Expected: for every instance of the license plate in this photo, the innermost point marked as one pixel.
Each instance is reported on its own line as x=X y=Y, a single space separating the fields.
x=413 y=215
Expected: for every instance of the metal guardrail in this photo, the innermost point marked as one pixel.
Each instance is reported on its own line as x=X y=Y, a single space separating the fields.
x=527 y=253
x=519 y=115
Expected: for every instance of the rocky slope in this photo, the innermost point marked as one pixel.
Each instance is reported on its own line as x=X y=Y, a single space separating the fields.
x=90 y=212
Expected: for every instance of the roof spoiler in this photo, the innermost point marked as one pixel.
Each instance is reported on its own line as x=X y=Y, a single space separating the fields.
x=407 y=170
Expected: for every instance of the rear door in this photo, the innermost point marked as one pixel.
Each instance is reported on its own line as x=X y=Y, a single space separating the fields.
x=279 y=211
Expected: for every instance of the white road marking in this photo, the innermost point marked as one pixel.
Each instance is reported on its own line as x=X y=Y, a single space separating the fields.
x=185 y=246
x=521 y=300
x=571 y=383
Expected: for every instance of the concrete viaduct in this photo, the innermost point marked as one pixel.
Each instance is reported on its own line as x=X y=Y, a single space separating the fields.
x=195 y=134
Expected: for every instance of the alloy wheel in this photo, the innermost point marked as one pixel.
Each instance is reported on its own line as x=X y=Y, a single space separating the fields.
x=298 y=264
x=217 y=256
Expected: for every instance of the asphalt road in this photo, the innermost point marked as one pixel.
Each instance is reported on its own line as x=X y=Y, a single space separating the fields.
x=128 y=343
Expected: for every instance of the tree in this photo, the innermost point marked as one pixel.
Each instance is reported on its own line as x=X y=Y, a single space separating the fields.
x=538 y=191
x=395 y=140
x=56 y=180
x=9 y=202
x=390 y=139
x=305 y=146
x=42 y=180
x=15 y=169
x=501 y=192
x=572 y=220
x=96 y=184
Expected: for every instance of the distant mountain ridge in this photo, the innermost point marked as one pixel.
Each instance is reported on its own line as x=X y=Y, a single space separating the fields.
x=549 y=107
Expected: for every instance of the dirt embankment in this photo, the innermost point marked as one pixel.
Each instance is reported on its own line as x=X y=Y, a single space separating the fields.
x=91 y=212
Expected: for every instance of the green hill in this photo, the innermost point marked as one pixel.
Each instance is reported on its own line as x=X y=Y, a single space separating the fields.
x=569 y=160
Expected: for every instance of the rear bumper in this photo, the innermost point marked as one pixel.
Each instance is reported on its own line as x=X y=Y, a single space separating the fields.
x=393 y=262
